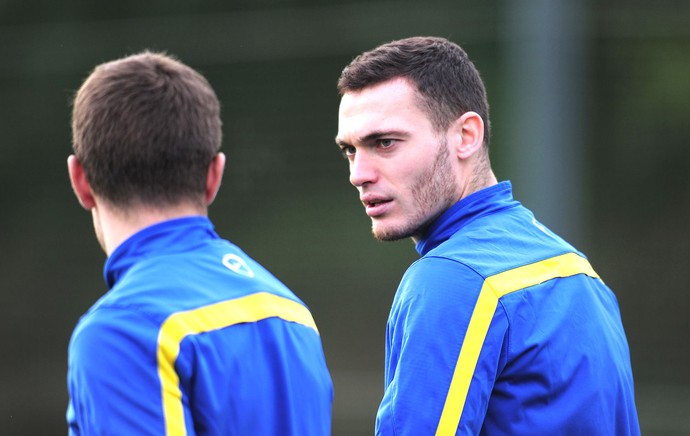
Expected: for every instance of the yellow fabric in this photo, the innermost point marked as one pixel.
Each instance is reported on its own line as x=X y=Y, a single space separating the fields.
x=252 y=308
x=495 y=287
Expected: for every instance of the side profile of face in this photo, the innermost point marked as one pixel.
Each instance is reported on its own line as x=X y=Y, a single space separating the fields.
x=402 y=167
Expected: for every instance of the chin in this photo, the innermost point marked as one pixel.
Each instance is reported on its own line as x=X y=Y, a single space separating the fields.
x=384 y=233
x=392 y=232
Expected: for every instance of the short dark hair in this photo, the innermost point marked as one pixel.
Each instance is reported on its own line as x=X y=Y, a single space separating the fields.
x=447 y=81
x=145 y=128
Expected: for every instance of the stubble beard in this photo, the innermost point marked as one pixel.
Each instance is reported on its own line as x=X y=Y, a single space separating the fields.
x=434 y=191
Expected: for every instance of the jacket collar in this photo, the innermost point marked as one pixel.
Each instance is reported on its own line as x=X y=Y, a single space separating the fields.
x=172 y=236
x=482 y=202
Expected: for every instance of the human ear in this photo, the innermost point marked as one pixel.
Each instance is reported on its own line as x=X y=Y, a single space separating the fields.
x=214 y=177
x=81 y=187
x=469 y=134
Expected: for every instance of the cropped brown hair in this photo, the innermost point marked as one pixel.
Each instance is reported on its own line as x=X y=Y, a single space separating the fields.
x=145 y=128
x=447 y=82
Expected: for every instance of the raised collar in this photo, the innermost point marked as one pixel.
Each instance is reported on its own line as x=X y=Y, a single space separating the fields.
x=483 y=202
x=172 y=236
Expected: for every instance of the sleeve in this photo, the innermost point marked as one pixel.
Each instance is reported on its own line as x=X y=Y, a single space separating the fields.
x=426 y=330
x=112 y=375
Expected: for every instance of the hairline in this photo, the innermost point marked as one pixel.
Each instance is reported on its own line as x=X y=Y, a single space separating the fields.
x=426 y=104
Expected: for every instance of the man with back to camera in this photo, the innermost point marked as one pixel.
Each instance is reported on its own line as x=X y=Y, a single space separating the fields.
x=193 y=336
x=501 y=327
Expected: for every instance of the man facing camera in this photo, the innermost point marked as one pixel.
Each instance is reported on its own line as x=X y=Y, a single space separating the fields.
x=501 y=327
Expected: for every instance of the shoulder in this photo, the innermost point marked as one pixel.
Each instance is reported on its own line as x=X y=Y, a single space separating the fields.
x=437 y=284
x=438 y=269
x=112 y=374
x=502 y=241
x=107 y=331
x=111 y=348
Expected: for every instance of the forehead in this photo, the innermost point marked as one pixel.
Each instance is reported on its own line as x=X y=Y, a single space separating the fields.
x=388 y=105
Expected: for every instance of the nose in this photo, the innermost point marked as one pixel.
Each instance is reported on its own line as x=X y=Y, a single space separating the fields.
x=362 y=170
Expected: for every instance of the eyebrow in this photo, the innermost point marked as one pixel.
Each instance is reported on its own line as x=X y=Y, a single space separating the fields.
x=376 y=134
x=340 y=142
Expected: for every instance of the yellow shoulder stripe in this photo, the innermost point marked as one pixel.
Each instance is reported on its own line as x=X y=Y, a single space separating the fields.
x=495 y=287
x=251 y=308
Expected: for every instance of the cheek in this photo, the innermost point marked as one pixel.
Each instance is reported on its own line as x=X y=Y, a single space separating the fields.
x=417 y=172
x=408 y=172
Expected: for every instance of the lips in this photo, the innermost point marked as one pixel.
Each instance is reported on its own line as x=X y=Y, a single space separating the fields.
x=375 y=205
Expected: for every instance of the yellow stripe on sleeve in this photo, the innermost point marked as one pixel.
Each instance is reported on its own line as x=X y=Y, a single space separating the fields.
x=251 y=308
x=495 y=287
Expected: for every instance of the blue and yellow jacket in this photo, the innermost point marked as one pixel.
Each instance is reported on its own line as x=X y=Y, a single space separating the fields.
x=195 y=337
x=501 y=327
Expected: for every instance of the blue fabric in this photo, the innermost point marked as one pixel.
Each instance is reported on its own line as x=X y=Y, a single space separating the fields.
x=555 y=359
x=265 y=377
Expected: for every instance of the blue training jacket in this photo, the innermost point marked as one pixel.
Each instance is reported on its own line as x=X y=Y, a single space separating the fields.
x=501 y=327
x=195 y=337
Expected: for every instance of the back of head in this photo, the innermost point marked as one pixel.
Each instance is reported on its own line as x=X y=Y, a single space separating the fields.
x=447 y=82
x=145 y=128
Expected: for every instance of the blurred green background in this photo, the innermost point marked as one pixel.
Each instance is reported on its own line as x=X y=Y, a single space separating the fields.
x=590 y=106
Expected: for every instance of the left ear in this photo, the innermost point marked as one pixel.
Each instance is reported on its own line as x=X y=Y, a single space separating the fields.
x=467 y=133
x=80 y=185
x=214 y=177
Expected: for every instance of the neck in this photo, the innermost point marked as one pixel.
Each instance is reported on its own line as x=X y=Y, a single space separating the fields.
x=479 y=173
x=474 y=174
x=480 y=181
x=113 y=225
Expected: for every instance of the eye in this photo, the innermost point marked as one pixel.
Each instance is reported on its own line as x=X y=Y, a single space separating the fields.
x=347 y=151
x=385 y=143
